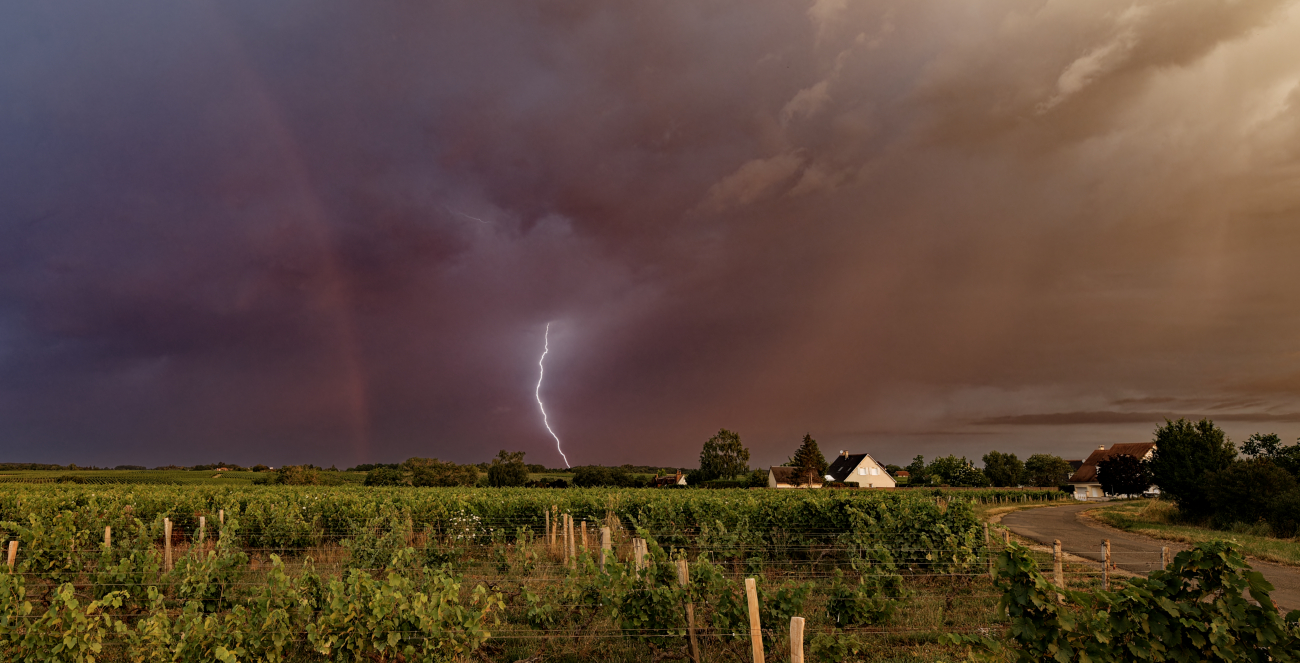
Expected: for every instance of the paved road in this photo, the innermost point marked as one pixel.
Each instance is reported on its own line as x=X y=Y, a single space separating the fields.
x=1131 y=552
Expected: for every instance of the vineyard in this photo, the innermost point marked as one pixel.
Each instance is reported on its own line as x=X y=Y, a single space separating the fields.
x=181 y=573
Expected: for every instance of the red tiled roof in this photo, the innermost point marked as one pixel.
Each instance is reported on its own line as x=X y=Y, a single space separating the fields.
x=1087 y=473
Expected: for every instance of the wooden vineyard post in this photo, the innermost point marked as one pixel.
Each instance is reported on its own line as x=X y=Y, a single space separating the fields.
x=203 y=527
x=796 y=640
x=1006 y=537
x=638 y=554
x=570 y=546
x=1105 y=567
x=584 y=536
x=1164 y=557
x=1058 y=573
x=167 y=543
x=564 y=536
x=546 y=516
x=683 y=579
x=13 y=552
x=108 y=536
x=755 y=627
x=221 y=517
x=605 y=546
x=988 y=551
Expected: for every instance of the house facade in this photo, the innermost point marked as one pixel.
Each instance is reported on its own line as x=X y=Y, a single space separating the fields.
x=860 y=469
x=1084 y=479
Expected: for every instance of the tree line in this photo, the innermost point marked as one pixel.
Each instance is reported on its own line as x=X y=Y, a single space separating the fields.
x=1212 y=482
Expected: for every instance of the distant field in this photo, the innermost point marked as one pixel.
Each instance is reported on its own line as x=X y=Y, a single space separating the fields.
x=151 y=477
x=192 y=477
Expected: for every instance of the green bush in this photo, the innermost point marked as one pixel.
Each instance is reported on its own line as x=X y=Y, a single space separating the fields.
x=1284 y=514
x=386 y=476
x=1207 y=606
x=1244 y=491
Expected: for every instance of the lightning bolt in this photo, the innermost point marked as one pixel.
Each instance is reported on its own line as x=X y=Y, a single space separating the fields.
x=546 y=347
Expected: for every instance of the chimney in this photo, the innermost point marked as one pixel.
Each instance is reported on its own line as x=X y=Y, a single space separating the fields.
x=844 y=454
x=1101 y=447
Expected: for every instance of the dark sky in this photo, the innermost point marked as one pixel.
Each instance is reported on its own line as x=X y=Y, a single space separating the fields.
x=335 y=232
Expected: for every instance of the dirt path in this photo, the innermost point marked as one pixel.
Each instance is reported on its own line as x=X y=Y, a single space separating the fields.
x=1081 y=536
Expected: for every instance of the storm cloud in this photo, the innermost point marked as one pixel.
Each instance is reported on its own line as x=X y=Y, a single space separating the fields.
x=334 y=232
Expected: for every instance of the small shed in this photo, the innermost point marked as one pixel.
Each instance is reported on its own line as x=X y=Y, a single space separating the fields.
x=668 y=480
x=791 y=477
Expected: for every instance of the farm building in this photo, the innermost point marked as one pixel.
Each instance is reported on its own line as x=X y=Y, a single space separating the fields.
x=860 y=469
x=1084 y=479
x=668 y=480
x=789 y=477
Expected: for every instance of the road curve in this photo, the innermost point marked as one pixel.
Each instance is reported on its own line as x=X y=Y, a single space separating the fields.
x=1131 y=552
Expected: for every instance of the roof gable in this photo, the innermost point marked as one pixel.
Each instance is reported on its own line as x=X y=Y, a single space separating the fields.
x=1087 y=473
x=791 y=475
x=844 y=466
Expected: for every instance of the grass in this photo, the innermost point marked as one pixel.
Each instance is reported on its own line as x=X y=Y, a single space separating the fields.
x=1160 y=519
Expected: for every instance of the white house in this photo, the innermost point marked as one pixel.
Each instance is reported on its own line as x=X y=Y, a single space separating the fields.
x=860 y=469
x=1084 y=480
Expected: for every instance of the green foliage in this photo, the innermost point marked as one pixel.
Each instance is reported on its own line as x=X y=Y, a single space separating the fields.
x=51 y=546
x=508 y=469
x=1185 y=453
x=67 y=631
x=917 y=471
x=1123 y=475
x=723 y=457
x=1207 y=606
x=1245 y=491
x=871 y=600
x=953 y=471
x=131 y=564
x=1003 y=469
x=1269 y=447
x=1047 y=470
x=1284 y=514
x=364 y=617
x=386 y=476
x=208 y=578
x=433 y=472
x=297 y=475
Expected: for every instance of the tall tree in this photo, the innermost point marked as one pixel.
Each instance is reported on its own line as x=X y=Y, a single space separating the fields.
x=809 y=459
x=1269 y=446
x=1185 y=453
x=1047 y=470
x=508 y=469
x=1123 y=475
x=723 y=456
x=916 y=471
x=1003 y=469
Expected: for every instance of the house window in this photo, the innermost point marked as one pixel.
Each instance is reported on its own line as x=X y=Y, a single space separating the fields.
x=875 y=471
x=862 y=471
